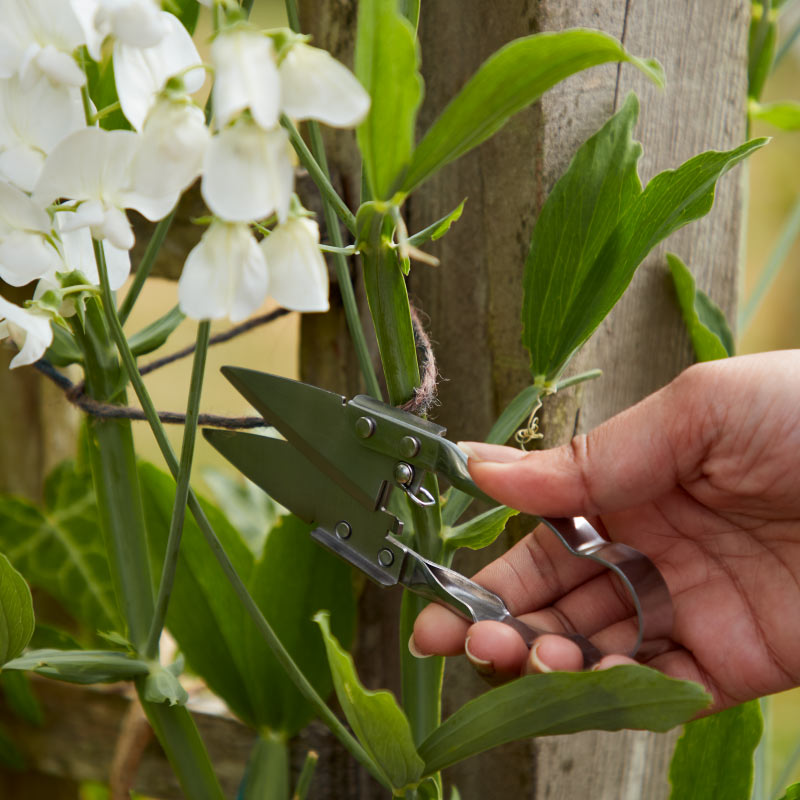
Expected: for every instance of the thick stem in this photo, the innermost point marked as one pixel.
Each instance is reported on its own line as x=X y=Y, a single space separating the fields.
x=267 y=774
x=182 y=490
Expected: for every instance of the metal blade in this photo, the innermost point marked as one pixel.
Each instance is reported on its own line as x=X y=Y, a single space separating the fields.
x=344 y=525
x=314 y=421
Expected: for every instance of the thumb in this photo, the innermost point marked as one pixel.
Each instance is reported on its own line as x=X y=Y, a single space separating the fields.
x=632 y=458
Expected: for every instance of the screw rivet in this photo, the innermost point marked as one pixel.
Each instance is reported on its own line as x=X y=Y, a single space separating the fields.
x=403 y=473
x=385 y=557
x=409 y=446
x=343 y=529
x=365 y=427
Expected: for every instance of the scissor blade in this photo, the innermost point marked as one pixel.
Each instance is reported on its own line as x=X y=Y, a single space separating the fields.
x=314 y=421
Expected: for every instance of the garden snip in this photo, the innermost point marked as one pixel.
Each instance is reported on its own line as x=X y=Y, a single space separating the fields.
x=336 y=466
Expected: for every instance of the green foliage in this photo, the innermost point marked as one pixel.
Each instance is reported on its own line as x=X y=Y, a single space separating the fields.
x=162 y=685
x=563 y=702
x=784 y=115
x=714 y=756
x=187 y=11
x=219 y=641
x=20 y=697
x=792 y=792
x=508 y=81
x=267 y=773
x=711 y=337
x=10 y=755
x=63 y=351
x=480 y=531
x=375 y=717
x=761 y=53
x=386 y=63
x=16 y=612
x=60 y=549
x=103 y=92
x=152 y=336
x=81 y=666
x=597 y=227
x=438 y=228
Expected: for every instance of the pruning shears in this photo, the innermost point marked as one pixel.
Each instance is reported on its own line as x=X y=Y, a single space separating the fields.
x=340 y=460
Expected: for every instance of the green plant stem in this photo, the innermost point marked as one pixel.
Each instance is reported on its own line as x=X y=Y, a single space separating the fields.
x=319 y=175
x=264 y=628
x=776 y=260
x=182 y=490
x=267 y=774
x=146 y=265
x=306 y=776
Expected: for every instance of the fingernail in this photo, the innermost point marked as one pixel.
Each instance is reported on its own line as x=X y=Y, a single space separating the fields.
x=537 y=663
x=414 y=650
x=480 y=451
x=481 y=665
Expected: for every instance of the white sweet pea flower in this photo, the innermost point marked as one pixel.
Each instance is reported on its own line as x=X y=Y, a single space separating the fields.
x=25 y=253
x=140 y=73
x=225 y=275
x=245 y=76
x=92 y=166
x=29 y=329
x=32 y=122
x=248 y=172
x=38 y=37
x=314 y=85
x=298 y=277
x=172 y=146
x=138 y=23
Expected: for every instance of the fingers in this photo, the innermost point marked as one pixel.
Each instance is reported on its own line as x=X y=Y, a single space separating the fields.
x=632 y=458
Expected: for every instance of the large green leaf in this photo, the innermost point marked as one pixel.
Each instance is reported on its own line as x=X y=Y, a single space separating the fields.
x=708 y=329
x=16 y=612
x=596 y=228
x=375 y=717
x=507 y=82
x=60 y=547
x=386 y=63
x=205 y=615
x=563 y=702
x=480 y=531
x=714 y=757
x=294 y=578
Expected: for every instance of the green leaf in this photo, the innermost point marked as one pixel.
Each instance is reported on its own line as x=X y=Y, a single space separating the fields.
x=589 y=241
x=267 y=773
x=375 y=717
x=60 y=547
x=294 y=578
x=187 y=11
x=714 y=756
x=156 y=333
x=508 y=81
x=63 y=351
x=563 y=702
x=761 y=47
x=784 y=115
x=103 y=92
x=386 y=63
x=81 y=666
x=16 y=612
x=20 y=697
x=792 y=792
x=163 y=686
x=711 y=337
x=480 y=531
x=10 y=755
x=439 y=228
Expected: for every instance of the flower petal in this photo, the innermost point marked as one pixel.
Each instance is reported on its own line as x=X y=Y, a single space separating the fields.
x=26 y=257
x=314 y=85
x=298 y=277
x=224 y=275
x=30 y=331
x=246 y=76
x=248 y=173
x=78 y=253
x=17 y=210
x=141 y=73
x=138 y=23
x=58 y=67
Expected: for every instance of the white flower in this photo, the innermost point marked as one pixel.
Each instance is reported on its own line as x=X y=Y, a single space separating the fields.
x=78 y=254
x=93 y=166
x=38 y=37
x=25 y=253
x=298 y=277
x=248 y=172
x=314 y=85
x=32 y=122
x=245 y=76
x=171 y=149
x=140 y=73
x=224 y=275
x=139 y=23
x=29 y=330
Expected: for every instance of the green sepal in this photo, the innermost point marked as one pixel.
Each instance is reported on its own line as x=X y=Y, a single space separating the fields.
x=63 y=351
x=162 y=686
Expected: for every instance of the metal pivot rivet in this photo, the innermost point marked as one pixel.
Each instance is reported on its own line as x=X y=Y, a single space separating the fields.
x=385 y=557
x=409 y=446
x=343 y=529
x=403 y=473
x=365 y=427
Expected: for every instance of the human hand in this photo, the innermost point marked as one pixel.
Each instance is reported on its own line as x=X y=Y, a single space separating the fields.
x=704 y=478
